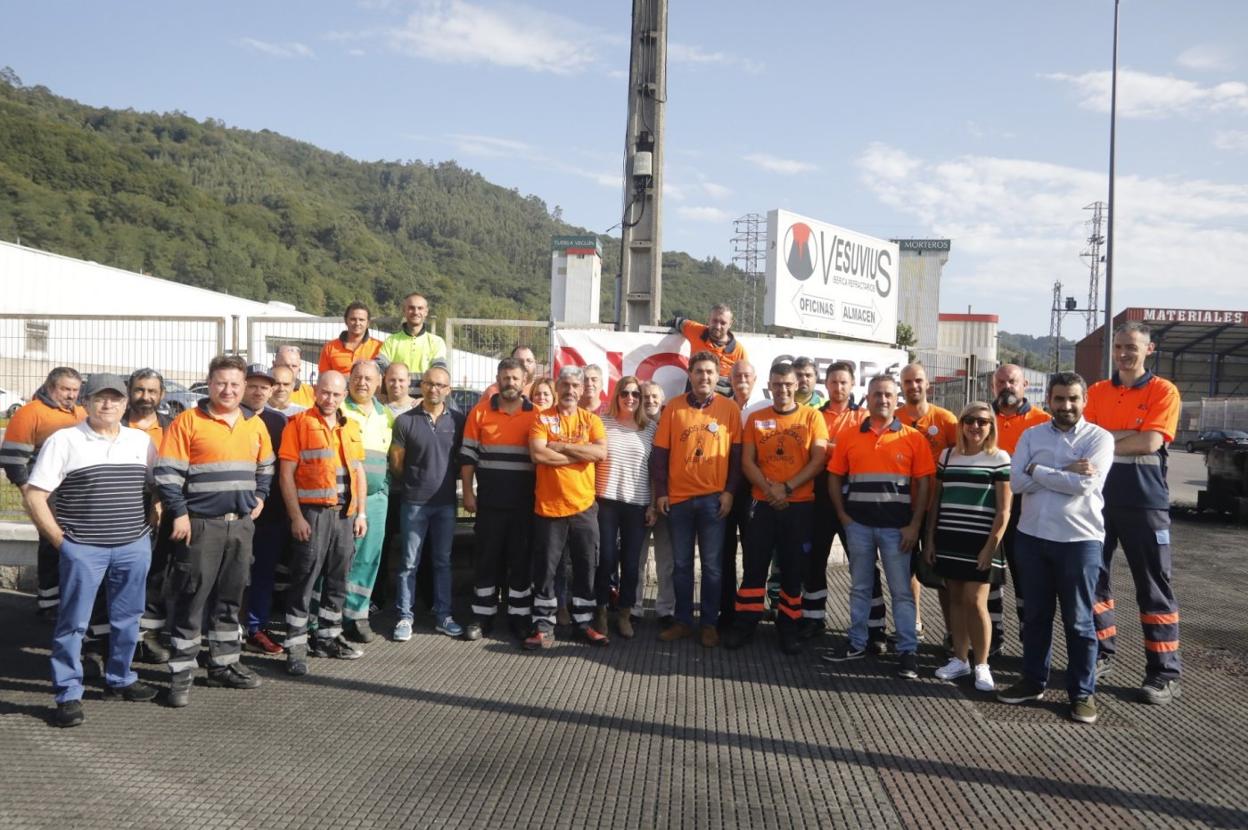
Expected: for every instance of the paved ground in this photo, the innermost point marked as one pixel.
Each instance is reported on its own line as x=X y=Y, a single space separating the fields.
x=436 y=733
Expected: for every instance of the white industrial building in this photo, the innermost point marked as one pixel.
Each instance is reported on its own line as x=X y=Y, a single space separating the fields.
x=969 y=334
x=918 y=291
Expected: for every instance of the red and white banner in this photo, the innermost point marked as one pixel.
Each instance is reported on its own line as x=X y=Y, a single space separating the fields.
x=664 y=358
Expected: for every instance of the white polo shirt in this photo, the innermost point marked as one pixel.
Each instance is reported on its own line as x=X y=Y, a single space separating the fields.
x=100 y=483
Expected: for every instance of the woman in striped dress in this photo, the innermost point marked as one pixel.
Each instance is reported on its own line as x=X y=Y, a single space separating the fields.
x=964 y=537
x=624 y=511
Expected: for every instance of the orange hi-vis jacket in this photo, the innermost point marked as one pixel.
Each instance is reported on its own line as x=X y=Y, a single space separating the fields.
x=208 y=467
x=29 y=428
x=336 y=355
x=329 y=462
x=1011 y=427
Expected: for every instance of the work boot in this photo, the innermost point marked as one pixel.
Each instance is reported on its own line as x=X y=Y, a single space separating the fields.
x=297 y=661
x=600 y=620
x=233 y=676
x=150 y=649
x=624 y=623
x=359 y=631
x=180 y=690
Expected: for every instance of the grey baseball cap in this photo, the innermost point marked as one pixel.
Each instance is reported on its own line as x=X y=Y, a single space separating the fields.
x=259 y=370
x=104 y=382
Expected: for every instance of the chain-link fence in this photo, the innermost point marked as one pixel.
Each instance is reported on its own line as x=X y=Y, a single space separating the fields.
x=476 y=345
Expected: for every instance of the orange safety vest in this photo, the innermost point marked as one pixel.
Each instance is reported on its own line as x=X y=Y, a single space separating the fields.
x=319 y=454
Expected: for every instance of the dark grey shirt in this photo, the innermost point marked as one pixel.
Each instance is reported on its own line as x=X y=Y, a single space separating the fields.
x=431 y=449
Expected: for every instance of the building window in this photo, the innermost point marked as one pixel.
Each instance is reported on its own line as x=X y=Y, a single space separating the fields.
x=36 y=335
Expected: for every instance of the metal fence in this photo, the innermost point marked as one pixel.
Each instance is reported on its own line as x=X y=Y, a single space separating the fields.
x=265 y=334
x=476 y=345
x=955 y=379
x=32 y=345
x=1224 y=413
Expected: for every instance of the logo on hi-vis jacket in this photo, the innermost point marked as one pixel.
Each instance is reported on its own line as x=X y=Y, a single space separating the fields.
x=799 y=252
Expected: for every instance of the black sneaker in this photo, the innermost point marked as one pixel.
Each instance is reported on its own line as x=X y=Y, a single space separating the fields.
x=473 y=631
x=136 y=692
x=1083 y=710
x=335 y=649
x=844 y=654
x=878 y=646
x=359 y=631
x=68 y=714
x=151 y=650
x=1159 y=692
x=232 y=677
x=907 y=666
x=809 y=629
x=1024 y=691
x=998 y=645
x=1104 y=667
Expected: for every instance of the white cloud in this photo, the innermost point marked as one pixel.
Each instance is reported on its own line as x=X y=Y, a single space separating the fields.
x=774 y=164
x=1141 y=95
x=1018 y=225
x=277 y=50
x=1204 y=58
x=456 y=31
x=696 y=55
x=356 y=53
x=486 y=145
x=1234 y=140
x=715 y=191
x=704 y=213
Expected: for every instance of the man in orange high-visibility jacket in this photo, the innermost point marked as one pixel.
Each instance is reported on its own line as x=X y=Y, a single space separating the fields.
x=52 y=409
x=323 y=486
x=353 y=345
x=717 y=338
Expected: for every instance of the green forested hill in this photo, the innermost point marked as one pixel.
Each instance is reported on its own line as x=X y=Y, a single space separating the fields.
x=266 y=217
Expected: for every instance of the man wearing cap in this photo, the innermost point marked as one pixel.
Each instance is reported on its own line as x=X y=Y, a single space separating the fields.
x=376 y=424
x=414 y=345
x=53 y=408
x=101 y=471
x=271 y=542
x=322 y=475
x=214 y=473
x=353 y=345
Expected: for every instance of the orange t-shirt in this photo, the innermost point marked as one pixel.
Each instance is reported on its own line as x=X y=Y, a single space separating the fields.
x=699 y=341
x=837 y=421
x=782 y=445
x=568 y=489
x=699 y=440
x=939 y=427
x=1011 y=427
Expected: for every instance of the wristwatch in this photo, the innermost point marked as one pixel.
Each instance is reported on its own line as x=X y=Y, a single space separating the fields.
x=788 y=491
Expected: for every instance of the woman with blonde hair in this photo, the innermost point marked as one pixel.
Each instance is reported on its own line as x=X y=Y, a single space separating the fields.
x=624 y=510
x=963 y=539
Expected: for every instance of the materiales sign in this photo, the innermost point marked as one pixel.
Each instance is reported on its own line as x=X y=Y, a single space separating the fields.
x=825 y=278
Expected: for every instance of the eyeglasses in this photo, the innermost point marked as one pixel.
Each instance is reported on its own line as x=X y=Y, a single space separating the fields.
x=428 y=384
x=630 y=393
x=978 y=422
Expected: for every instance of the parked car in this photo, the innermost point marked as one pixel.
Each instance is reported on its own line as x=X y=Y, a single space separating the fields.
x=10 y=402
x=1218 y=438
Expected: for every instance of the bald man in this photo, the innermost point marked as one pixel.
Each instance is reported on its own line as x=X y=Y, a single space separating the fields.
x=323 y=487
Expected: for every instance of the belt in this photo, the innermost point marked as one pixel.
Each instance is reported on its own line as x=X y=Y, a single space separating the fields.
x=228 y=517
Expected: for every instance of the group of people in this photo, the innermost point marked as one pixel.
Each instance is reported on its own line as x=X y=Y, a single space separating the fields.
x=570 y=493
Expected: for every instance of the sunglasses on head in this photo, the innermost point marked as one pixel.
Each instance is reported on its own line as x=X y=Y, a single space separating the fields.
x=971 y=420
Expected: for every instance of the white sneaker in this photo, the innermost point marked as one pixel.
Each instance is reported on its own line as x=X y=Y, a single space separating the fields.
x=983 y=678
x=954 y=669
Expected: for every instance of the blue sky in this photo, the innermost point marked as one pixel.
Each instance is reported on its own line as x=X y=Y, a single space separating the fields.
x=985 y=122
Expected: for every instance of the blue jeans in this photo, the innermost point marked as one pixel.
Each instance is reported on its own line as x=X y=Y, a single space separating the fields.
x=621 y=533
x=863 y=542
x=696 y=518
x=1066 y=573
x=82 y=568
x=433 y=524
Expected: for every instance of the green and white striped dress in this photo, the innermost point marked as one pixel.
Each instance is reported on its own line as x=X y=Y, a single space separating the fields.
x=967 y=510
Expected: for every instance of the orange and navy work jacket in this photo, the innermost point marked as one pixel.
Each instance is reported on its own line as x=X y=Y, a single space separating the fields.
x=782 y=445
x=700 y=341
x=29 y=428
x=337 y=356
x=329 y=461
x=878 y=468
x=496 y=445
x=1151 y=404
x=1011 y=427
x=155 y=431
x=210 y=468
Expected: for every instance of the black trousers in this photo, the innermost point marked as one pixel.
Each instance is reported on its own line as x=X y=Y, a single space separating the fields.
x=209 y=576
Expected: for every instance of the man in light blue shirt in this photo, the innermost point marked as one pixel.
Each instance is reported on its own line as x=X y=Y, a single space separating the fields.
x=1059 y=469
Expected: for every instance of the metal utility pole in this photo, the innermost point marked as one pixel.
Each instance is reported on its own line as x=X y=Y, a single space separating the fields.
x=1096 y=239
x=1055 y=326
x=749 y=253
x=640 y=293
x=1108 y=362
